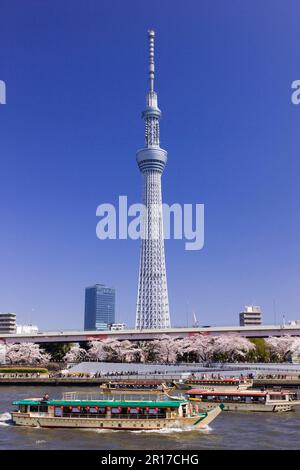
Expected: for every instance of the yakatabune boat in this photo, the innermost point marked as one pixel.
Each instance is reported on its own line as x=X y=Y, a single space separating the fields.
x=217 y=384
x=245 y=400
x=136 y=386
x=112 y=413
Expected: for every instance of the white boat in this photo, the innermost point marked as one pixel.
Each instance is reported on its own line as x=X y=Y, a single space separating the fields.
x=244 y=400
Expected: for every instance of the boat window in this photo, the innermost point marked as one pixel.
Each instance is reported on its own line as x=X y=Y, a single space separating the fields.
x=115 y=410
x=152 y=411
x=34 y=408
x=255 y=399
x=277 y=397
x=58 y=411
x=93 y=410
x=43 y=408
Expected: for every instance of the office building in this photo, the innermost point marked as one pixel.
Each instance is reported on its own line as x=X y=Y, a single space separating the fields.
x=99 y=307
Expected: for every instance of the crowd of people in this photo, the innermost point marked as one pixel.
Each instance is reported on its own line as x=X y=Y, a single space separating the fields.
x=75 y=375
x=278 y=376
x=115 y=373
x=22 y=375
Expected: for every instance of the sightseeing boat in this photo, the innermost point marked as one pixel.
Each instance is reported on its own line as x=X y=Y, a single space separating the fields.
x=244 y=400
x=136 y=386
x=214 y=383
x=110 y=413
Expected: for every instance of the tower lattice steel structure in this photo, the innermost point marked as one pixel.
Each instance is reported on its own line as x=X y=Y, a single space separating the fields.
x=152 y=301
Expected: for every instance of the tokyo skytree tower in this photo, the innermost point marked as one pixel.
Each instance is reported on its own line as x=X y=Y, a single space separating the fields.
x=152 y=309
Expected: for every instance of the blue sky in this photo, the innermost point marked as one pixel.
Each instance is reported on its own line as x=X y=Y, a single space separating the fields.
x=76 y=76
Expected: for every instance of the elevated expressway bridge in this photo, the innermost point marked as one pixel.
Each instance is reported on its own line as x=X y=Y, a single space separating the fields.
x=262 y=331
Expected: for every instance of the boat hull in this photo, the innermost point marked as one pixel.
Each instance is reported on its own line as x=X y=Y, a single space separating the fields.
x=279 y=408
x=24 y=419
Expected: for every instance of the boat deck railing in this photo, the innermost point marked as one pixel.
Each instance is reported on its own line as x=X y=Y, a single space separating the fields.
x=116 y=417
x=99 y=396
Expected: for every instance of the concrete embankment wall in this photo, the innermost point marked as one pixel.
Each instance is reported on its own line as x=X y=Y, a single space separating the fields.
x=50 y=381
x=258 y=383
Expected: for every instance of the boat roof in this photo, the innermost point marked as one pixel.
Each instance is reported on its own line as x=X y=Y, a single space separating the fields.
x=133 y=382
x=113 y=403
x=233 y=380
x=235 y=392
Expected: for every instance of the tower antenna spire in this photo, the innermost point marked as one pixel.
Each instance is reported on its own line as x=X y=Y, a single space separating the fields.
x=151 y=36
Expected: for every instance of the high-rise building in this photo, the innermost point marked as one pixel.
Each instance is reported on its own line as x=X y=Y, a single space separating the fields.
x=152 y=309
x=7 y=323
x=251 y=316
x=99 y=307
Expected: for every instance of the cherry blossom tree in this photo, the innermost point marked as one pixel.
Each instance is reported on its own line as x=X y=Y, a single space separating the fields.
x=196 y=348
x=281 y=348
x=149 y=350
x=131 y=352
x=101 y=350
x=296 y=346
x=164 y=350
x=76 y=354
x=231 y=348
x=113 y=350
x=2 y=353
x=202 y=348
x=119 y=351
x=26 y=353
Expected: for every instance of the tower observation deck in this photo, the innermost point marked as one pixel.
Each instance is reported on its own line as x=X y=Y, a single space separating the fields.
x=152 y=309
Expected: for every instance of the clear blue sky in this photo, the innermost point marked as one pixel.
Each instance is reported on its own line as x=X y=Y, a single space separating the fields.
x=76 y=75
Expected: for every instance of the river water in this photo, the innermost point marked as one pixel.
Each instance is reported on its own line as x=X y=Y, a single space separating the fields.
x=230 y=430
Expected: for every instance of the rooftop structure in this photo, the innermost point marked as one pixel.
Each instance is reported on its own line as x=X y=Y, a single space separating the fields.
x=251 y=315
x=26 y=329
